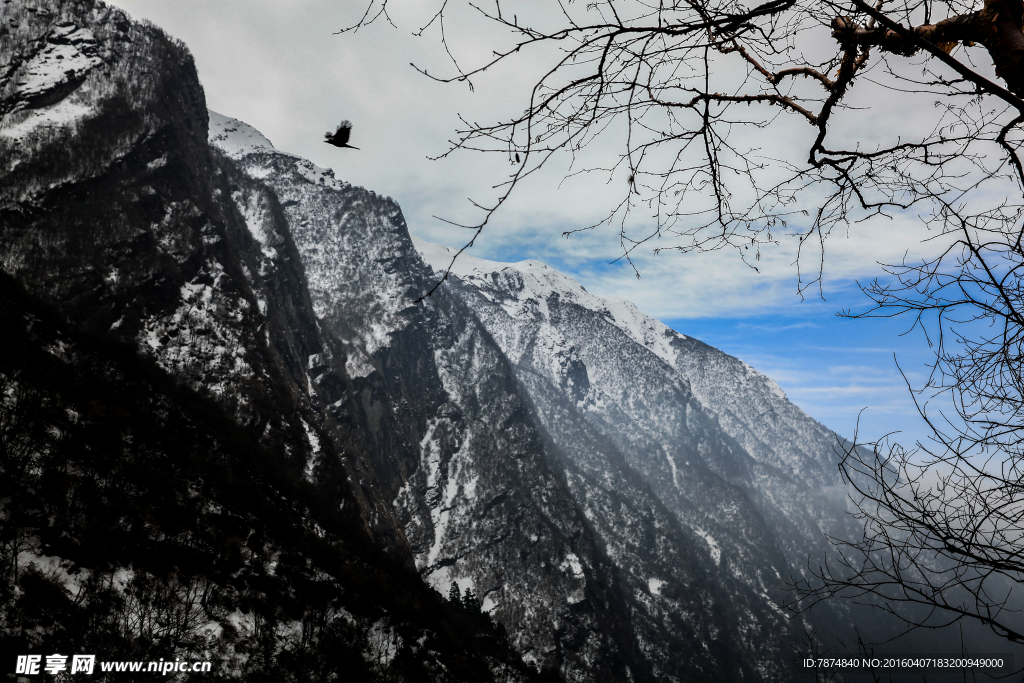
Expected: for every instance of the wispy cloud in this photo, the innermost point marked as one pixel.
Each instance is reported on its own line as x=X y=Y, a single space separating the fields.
x=776 y=328
x=854 y=349
x=847 y=390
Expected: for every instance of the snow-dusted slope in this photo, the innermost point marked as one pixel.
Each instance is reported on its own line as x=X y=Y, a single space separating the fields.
x=453 y=445
x=762 y=495
x=541 y=282
x=350 y=278
x=236 y=138
x=751 y=406
x=600 y=561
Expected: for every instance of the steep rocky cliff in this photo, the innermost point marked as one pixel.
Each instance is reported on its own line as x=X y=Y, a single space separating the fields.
x=184 y=471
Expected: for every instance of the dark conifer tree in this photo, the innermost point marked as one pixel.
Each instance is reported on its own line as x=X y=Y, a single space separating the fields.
x=454 y=596
x=470 y=601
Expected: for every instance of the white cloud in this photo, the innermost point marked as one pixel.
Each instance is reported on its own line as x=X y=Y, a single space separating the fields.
x=283 y=68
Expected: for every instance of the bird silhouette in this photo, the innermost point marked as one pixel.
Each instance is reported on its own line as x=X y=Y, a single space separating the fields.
x=339 y=138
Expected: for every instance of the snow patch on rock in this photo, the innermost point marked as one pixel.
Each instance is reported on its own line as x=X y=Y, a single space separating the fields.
x=716 y=551
x=64 y=113
x=236 y=138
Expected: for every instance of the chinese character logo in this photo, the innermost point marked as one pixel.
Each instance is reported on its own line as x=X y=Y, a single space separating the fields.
x=83 y=664
x=28 y=664
x=55 y=664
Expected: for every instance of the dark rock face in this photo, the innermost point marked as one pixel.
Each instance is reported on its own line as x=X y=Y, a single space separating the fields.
x=141 y=522
x=115 y=209
x=187 y=468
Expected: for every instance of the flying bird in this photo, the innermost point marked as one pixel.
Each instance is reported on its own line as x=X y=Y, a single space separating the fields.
x=339 y=138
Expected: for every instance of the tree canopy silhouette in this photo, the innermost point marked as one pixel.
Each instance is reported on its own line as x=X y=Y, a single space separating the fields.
x=728 y=125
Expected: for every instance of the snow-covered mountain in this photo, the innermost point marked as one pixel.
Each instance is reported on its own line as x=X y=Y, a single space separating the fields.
x=224 y=341
x=481 y=500
x=571 y=459
x=643 y=418
x=695 y=422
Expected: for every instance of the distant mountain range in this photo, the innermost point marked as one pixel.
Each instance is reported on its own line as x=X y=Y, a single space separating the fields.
x=231 y=432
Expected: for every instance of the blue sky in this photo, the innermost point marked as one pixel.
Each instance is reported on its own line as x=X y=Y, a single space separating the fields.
x=838 y=370
x=282 y=68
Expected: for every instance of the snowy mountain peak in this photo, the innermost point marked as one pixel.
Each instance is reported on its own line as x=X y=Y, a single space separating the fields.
x=539 y=282
x=526 y=292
